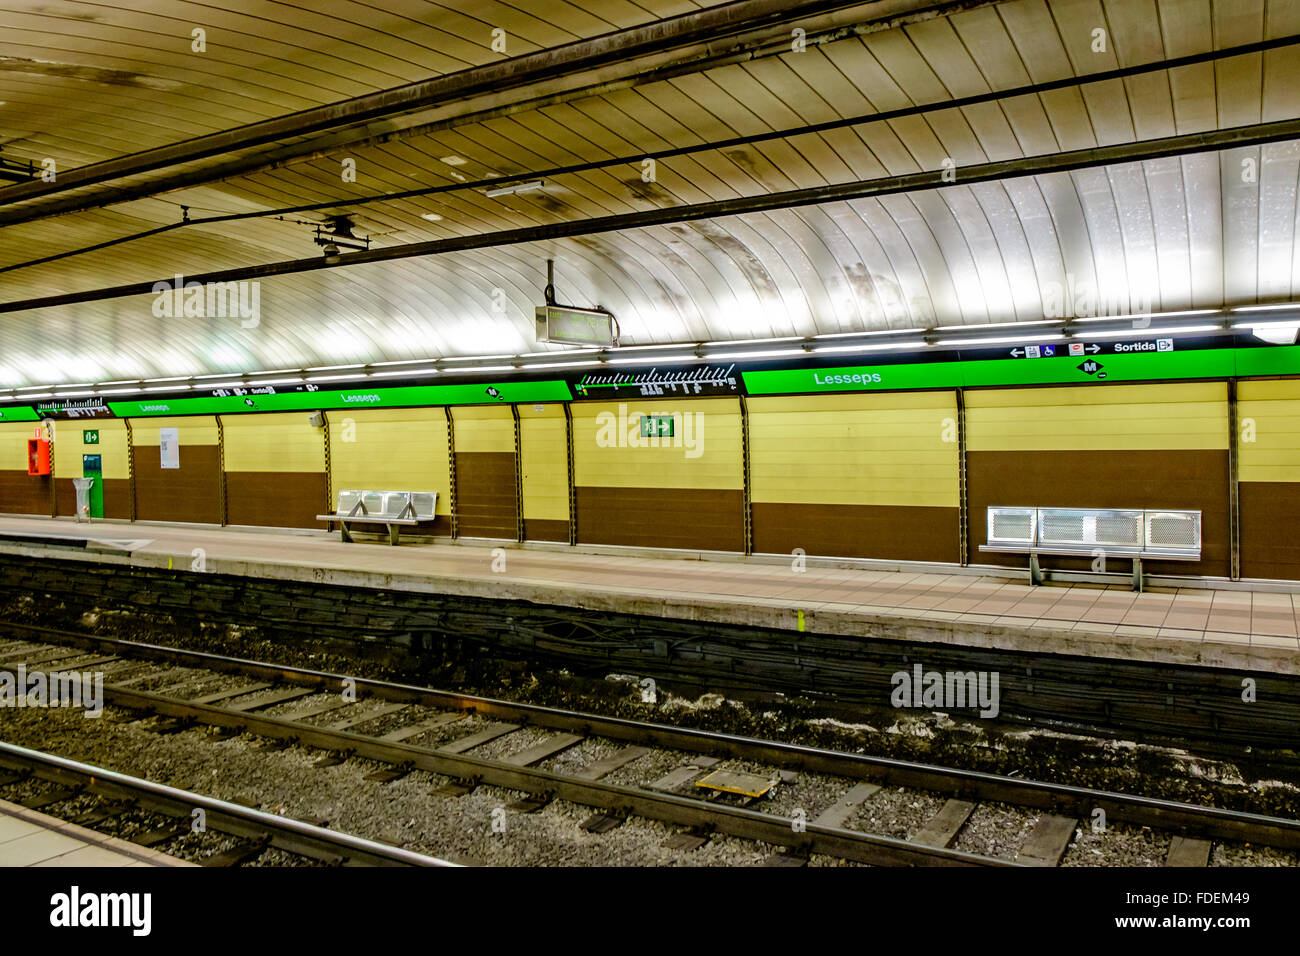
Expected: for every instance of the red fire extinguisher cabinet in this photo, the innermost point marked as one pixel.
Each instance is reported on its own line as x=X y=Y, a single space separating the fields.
x=38 y=456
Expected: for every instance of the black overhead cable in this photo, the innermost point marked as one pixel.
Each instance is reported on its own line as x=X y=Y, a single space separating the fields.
x=1187 y=143
x=1032 y=89
x=710 y=25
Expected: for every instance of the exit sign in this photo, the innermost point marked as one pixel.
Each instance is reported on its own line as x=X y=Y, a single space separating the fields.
x=90 y=437
x=656 y=426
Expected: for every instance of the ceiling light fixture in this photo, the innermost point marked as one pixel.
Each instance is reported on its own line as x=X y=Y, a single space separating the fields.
x=775 y=353
x=409 y=372
x=336 y=233
x=884 y=347
x=844 y=335
x=1000 y=340
x=1142 y=315
x=1130 y=333
x=513 y=188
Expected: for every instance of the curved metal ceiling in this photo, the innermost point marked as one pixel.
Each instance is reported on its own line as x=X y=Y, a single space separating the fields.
x=90 y=82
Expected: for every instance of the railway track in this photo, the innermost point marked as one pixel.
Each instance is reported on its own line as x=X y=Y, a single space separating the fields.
x=719 y=801
x=117 y=794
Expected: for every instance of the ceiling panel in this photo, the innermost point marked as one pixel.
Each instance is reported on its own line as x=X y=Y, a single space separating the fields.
x=90 y=81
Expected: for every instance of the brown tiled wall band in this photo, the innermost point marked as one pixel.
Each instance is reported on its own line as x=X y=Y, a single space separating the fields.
x=274 y=498
x=546 y=529
x=696 y=519
x=485 y=495
x=888 y=532
x=190 y=493
x=1169 y=478
x=24 y=494
x=1270 y=529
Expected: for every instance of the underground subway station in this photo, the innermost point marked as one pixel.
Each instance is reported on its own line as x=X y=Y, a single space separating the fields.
x=613 y=435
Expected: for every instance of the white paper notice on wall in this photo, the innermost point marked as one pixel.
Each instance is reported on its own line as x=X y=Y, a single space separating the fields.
x=169 y=446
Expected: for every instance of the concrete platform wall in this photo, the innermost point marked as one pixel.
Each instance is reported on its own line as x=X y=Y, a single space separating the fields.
x=890 y=475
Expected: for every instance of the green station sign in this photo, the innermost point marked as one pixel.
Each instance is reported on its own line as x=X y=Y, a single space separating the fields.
x=1056 y=370
x=1150 y=359
x=404 y=397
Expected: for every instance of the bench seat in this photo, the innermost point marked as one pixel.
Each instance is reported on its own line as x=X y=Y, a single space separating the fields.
x=392 y=509
x=1132 y=534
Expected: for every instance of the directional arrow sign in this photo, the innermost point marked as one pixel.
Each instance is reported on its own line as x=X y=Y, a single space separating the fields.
x=1094 y=348
x=1017 y=353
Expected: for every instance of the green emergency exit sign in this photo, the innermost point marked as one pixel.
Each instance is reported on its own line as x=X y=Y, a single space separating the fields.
x=90 y=437
x=656 y=426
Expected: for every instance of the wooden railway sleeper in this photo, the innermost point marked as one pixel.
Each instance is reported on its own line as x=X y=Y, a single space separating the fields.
x=333 y=758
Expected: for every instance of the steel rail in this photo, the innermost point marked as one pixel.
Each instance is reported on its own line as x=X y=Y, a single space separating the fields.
x=285 y=833
x=1164 y=814
x=666 y=807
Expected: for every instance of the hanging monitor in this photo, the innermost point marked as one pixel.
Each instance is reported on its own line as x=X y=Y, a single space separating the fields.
x=570 y=326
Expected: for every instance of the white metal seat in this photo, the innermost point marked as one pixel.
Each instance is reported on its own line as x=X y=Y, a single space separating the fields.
x=392 y=509
x=1131 y=533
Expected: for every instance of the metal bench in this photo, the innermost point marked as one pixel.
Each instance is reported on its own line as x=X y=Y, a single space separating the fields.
x=1095 y=532
x=392 y=509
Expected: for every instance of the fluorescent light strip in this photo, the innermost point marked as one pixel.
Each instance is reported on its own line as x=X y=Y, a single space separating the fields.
x=1146 y=333
x=329 y=378
x=1144 y=315
x=407 y=372
x=481 y=368
x=277 y=381
x=661 y=348
x=841 y=335
x=883 y=347
x=667 y=359
x=746 y=355
x=526 y=368
x=1267 y=325
x=725 y=342
x=256 y=377
x=1002 y=340
x=976 y=328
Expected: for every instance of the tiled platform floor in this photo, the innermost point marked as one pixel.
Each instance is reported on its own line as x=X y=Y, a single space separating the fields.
x=28 y=838
x=1231 y=627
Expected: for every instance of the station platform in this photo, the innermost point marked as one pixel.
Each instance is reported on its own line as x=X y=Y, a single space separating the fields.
x=29 y=838
x=1231 y=627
